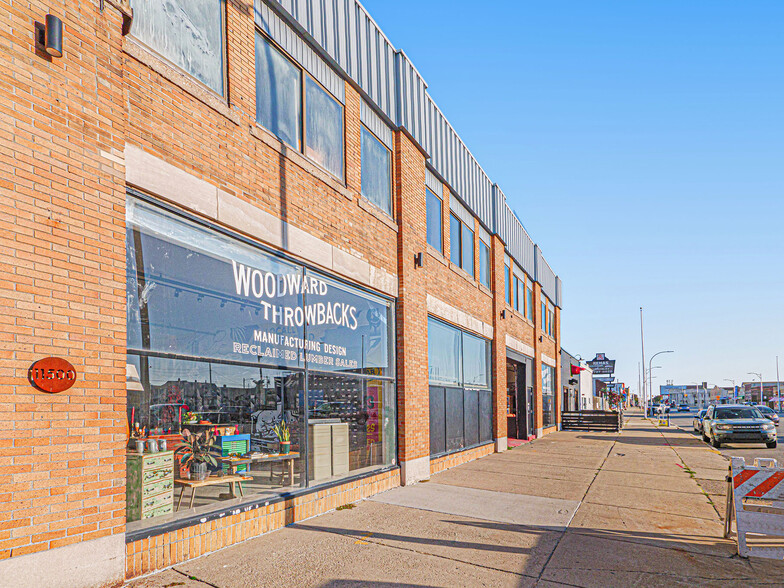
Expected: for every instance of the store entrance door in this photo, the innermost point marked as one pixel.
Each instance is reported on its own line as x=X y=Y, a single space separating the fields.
x=519 y=401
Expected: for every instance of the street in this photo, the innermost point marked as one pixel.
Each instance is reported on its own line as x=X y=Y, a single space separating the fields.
x=747 y=450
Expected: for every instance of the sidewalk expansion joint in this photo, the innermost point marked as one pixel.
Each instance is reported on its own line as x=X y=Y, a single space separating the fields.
x=566 y=528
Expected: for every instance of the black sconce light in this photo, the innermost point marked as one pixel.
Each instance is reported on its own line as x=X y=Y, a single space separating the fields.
x=418 y=259
x=541 y=338
x=49 y=36
x=503 y=314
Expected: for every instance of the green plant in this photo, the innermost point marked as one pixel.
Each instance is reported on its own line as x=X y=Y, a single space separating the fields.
x=190 y=417
x=196 y=447
x=282 y=432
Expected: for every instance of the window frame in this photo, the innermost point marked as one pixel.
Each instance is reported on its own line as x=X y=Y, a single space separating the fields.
x=304 y=75
x=508 y=283
x=484 y=247
x=224 y=95
x=440 y=200
x=459 y=249
x=464 y=228
x=391 y=211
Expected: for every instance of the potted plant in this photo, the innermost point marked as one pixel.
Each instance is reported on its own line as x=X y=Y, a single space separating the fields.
x=190 y=418
x=284 y=437
x=195 y=453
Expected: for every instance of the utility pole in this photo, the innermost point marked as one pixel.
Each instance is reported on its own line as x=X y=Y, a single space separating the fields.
x=778 y=386
x=642 y=345
x=639 y=379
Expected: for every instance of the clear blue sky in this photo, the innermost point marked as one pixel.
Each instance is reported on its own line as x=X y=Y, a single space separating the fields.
x=642 y=145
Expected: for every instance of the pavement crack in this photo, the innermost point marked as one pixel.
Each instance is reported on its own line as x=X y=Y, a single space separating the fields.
x=190 y=577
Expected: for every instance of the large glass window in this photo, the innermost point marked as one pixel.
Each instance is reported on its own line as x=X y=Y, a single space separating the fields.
x=278 y=93
x=521 y=295
x=376 y=172
x=516 y=293
x=233 y=355
x=467 y=243
x=444 y=353
x=455 y=250
x=189 y=33
x=323 y=128
x=484 y=263
x=461 y=404
x=529 y=299
x=434 y=220
x=548 y=395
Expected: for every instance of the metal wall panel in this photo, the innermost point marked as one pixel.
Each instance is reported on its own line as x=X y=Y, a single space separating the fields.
x=376 y=125
x=269 y=22
x=350 y=40
x=545 y=276
x=432 y=182
x=461 y=211
x=558 y=294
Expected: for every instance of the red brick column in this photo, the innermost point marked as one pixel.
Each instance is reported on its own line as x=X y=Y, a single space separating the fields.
x=413 y=399
x=538 y=347
x=498 y=284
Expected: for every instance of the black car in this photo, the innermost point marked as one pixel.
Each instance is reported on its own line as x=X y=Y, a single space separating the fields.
x=768 y=413
x=737 y=423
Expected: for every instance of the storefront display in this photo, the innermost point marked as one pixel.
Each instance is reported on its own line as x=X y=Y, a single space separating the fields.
x=228 y=339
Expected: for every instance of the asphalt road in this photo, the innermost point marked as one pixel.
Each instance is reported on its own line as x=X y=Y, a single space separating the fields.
x=747 y=450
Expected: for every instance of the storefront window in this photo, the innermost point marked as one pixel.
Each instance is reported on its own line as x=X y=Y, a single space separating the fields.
x=461 y=402
x=548 y=395
x=231 y=350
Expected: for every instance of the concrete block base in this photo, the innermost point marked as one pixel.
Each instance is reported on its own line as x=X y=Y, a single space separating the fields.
x=501 y=444
x=99 y=563
x=414 y=470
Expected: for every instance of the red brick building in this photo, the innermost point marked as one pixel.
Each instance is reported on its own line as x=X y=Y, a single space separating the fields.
x=234 y=219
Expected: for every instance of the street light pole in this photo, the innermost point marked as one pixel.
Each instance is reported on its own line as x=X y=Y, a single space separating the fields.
x=759 y=375
x=642 y=345
x=778 y=386
x=650 y=362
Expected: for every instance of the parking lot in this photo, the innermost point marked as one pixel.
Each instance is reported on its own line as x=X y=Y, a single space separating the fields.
x=747 y=450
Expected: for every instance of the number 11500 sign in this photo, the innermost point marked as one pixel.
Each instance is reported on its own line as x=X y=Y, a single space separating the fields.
x=52 y=374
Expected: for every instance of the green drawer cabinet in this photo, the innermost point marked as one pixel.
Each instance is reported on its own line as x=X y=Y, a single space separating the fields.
x=150 y=484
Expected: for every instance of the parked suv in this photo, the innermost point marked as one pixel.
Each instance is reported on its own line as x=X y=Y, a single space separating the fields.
x=737 y=423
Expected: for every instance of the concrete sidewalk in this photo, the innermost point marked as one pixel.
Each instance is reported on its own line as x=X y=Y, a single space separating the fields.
x=572 y=508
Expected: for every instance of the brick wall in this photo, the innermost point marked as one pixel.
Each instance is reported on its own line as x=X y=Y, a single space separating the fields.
x=161 y=551
x=62 y=278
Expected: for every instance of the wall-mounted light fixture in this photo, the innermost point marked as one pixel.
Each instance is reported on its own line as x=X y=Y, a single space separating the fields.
x=418 y=259
x=503 y=314
x=49 y=36
x=541 y=338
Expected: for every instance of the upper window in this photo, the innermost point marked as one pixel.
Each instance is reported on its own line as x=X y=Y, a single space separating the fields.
x=516 y=293
x=323 y=128
x=484 y=263
x=521 y=294
x=189 y=33
x=508 y=284
x=376 y=172
x=467 y=246
x=434 y=220
x=278 y=93
x=529 y=299
x=279 y=108
x=461 y=244
x=454 y=240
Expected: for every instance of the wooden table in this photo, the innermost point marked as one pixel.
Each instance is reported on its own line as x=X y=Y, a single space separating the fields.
x=233 y=462
x=231 y=480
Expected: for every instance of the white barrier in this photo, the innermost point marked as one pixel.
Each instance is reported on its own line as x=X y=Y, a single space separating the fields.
x=755 y=498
